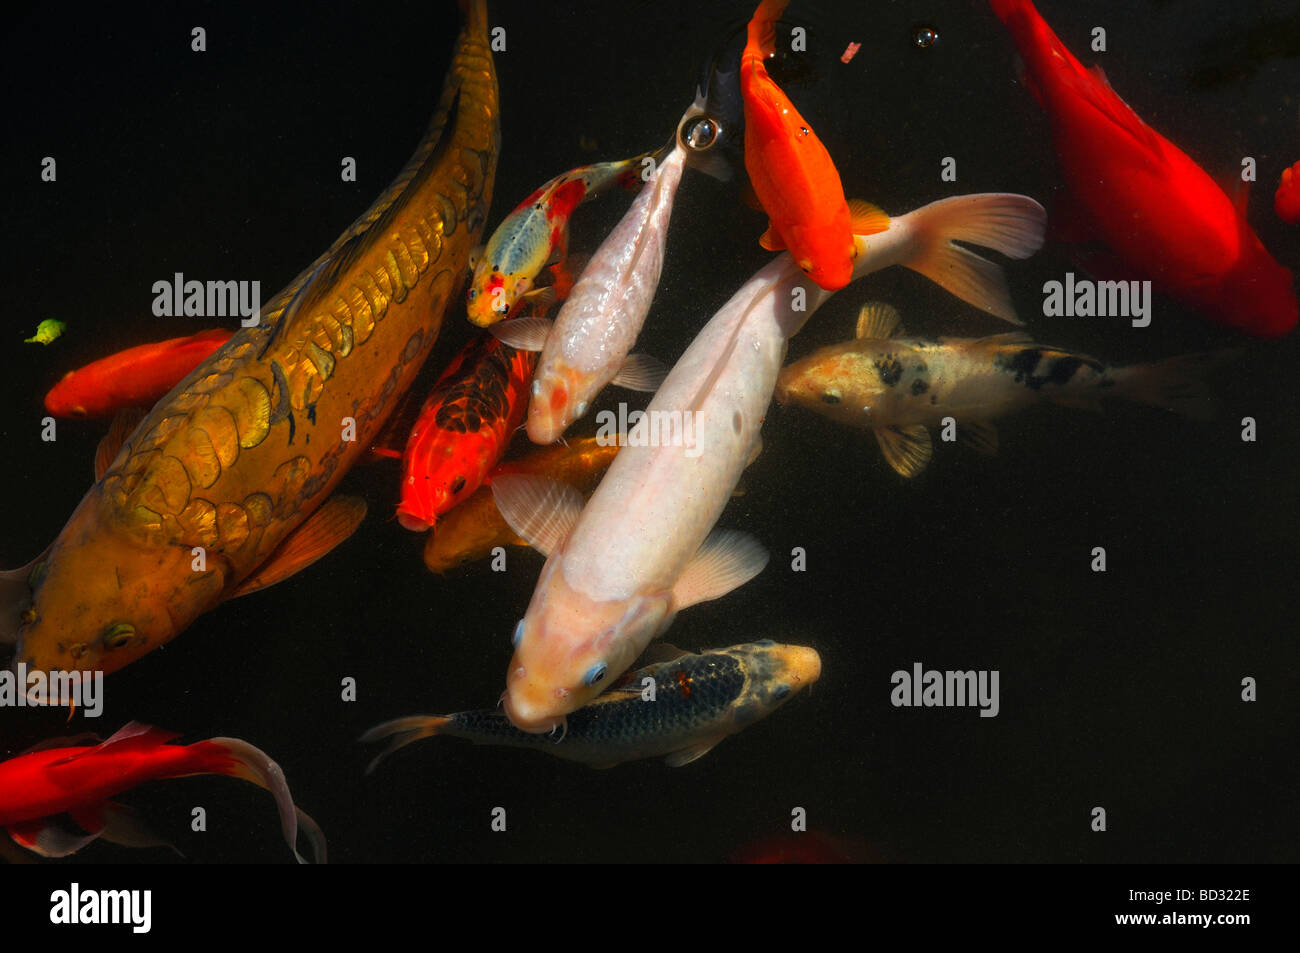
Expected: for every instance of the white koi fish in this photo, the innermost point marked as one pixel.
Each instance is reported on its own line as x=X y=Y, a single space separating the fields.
x=619 y=570
x=589 y=344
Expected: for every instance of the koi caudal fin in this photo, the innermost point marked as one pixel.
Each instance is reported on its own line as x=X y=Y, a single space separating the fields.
x=239 y=759
x=403 y=731
x=1011 y=224
x=1176 y=384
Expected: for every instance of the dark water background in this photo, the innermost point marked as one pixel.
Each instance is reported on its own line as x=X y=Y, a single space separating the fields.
x=1118 y=689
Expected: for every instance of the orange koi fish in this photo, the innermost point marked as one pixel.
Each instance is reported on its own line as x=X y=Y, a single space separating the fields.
x=474 y=528
x=79 y=780
x=1161 y=215
x=791 y=171
x=136 y=377
x=463 y=429
x=1286 y=202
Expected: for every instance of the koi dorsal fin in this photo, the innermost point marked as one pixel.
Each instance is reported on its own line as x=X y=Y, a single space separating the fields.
x=133 y=736
x=878 y=321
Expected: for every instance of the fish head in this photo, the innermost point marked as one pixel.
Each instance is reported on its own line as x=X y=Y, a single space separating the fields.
x=100 y=600
x=66 y=400
x=493 y=294
x=830 y=382
x=774 y=673
x=823 y=253
x=569 y=648
x=558 y=399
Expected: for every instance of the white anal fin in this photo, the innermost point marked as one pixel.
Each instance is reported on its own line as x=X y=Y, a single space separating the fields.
x=523 y=334
x=44 y=837
x=336 y=520
x=123 y=425
x=878 y=321
x=119 y=824
x=727 y=560
x=692 y=752
x=979 y=435
x=906 y=449
x=540 y=510
x=641 y=372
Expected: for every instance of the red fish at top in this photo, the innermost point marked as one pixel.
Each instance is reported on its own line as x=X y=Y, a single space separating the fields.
x=136 y=377
x=791 y=171
x=1286 y=202
x=1161 y=215
x=79 y=780
x=464 y=427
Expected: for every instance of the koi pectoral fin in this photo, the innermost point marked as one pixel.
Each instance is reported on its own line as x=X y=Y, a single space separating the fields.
x=522 y=334
x=321 y=532
x=641 y=372
x=772 y=240
x=906 y=449
x=692 y=752
x=727 y=560
x=540 y=510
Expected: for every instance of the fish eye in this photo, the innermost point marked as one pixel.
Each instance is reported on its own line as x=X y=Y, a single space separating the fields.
x=596 y=673
x=700 y=133
x=519 y=633
x=830 y=397
x=782 y=691
x=118 y=635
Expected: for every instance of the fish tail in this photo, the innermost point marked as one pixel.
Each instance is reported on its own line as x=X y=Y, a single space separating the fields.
x=238 y=759
x=1011 y=224
x=761 y=35
x=1176 y=384
x=403 y=731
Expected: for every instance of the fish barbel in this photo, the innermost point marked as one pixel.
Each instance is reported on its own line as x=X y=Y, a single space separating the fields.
x=226 y=461
x=698 y=700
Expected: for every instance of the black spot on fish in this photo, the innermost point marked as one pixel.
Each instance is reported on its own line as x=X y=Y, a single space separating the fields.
x=920 y=386
x=457 y=485
x=311 y=413
x=1063 y=369
x=292 y=427
x=889 y=370
x=934 y=398
x=830 y=398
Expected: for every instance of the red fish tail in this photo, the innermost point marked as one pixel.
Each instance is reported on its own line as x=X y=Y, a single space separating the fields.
x=238 y=759
x=1037 y=44
x=761 y=34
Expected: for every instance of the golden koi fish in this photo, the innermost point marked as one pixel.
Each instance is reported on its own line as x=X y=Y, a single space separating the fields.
x=219 y=491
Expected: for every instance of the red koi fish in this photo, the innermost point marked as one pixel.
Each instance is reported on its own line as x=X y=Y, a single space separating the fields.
x=791 y=171
x=79 y=781
x=1286 y=202
x=136 y=377
x=1161 y=215
x=463 y=429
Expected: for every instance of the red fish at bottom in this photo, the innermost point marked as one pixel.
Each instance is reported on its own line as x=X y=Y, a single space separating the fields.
x=463 y=429
x=79 y=780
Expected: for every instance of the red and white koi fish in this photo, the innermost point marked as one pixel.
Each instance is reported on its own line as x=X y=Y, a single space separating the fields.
x=536 y=234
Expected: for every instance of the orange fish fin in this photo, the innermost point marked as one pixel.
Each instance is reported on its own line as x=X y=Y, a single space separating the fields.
x=878 y=321
x=321 y=532
x=865 y=218
x=123 y=425
x=906 y=449
x=771 y=239
x=541 y=510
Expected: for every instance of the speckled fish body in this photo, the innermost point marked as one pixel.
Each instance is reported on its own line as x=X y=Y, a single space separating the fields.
x=245 y=449
x=536 y=233
x=697 y=700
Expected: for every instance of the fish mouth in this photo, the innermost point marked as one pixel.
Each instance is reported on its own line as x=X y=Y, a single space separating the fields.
x=803 y=664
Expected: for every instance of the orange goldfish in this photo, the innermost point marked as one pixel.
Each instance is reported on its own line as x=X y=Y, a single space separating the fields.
x=791 y=171
x=136 y=377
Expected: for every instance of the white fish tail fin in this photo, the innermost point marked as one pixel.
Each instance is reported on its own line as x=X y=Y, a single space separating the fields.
x=1176 y=383
x=1011 y=224
x=254 y=764
x=403 y=731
